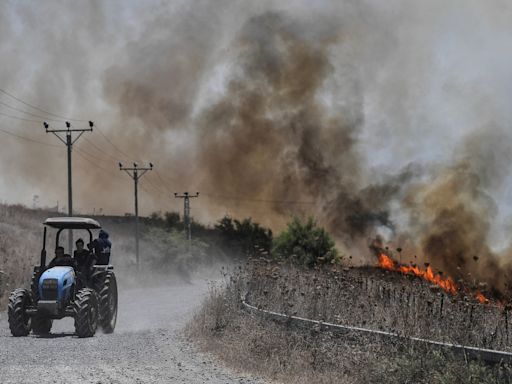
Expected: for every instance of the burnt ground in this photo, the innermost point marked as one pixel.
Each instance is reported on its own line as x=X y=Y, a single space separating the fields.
x=146 y=347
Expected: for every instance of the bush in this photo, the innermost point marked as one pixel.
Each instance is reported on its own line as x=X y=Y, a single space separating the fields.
x=305 y=243
x=168 y=250
x=167 y=220
x=243 y=237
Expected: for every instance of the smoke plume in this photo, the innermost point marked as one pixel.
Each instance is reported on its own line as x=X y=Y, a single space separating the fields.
x=380 y=120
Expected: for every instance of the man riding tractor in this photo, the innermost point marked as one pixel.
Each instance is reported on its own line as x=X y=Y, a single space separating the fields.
x=68 y=287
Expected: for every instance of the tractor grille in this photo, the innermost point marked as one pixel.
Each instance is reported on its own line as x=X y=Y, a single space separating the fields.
x=50 y=289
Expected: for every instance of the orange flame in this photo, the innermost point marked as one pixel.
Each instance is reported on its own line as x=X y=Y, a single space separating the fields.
x=447 y=284
x=481 y=298
x=385 y=262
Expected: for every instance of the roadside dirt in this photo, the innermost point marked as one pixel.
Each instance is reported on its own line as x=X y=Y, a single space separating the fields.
x=146 y=346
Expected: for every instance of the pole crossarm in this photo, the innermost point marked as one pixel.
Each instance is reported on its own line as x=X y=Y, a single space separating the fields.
x=69 y=130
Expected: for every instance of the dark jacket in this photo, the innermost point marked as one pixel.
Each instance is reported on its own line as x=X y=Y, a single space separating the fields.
x=102 y=246
x=84 y=260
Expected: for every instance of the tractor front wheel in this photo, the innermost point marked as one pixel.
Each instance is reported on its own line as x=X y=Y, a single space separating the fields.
x=19 y=321
x=86 y=312
x=41 y=325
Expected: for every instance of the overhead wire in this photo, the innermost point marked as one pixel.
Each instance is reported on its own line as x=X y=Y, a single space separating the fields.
x=28 y=139
x=100 y=150
x=127 y=156
x=38 y=108
x=26 y=112
x=85 y=155
x=19 y=118
x=60 y=117
x=94 y=160
x=163 y=183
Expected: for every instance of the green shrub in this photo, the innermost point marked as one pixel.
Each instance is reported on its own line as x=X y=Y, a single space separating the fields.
x=305 y=243
x=243 y=237
x=168 y=249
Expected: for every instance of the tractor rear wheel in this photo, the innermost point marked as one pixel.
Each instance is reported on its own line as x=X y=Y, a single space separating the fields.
x=86 y=312
x=41 y=325
x=19 y=321
x=108 y=303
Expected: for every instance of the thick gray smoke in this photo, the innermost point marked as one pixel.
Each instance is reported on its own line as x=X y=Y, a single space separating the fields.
x=378 y=119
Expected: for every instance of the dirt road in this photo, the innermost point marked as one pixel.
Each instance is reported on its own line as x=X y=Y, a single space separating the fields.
x=145 y=347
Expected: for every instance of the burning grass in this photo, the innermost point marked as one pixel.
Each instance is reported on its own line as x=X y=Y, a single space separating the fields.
x=445 y=283
x=372 y=298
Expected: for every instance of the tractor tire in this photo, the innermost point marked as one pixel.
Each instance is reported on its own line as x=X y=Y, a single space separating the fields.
x=86 y=312
x=108 y=303
x=41 y=325
x=19 y=321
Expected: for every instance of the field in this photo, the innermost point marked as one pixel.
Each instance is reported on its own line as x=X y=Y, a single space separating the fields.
x=162 y=249
x=365 y=297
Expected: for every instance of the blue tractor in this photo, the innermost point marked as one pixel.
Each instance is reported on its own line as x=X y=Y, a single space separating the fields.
x=65 y=290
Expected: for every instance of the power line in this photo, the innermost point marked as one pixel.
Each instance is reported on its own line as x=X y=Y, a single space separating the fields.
x=115 y=146
x=84 y=155
x=28 y=113
x=20 y=118
x=96 y=159
x=100 y=150
x=99 y=129
x=265 y=201
x=28 y=139
x=156 y=187
x=38 y=108
x=246 y=199
x=164 y=183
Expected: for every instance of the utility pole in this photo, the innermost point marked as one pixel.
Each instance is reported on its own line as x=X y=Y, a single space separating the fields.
x=186 y=214
x=136 y=173
x=69 y=141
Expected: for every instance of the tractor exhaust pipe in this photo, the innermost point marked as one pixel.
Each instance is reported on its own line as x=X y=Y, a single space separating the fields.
x=43 y=251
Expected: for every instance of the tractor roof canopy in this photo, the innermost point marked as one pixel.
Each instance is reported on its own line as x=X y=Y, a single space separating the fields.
x=72 y=223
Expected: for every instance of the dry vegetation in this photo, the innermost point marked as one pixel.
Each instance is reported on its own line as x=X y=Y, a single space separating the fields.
x=20 y=243
x=163 y=246
x=364 y=297
x=21 y=238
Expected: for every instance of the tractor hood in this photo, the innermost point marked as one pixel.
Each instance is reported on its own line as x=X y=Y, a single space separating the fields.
x=55 y=283
x=57 y=273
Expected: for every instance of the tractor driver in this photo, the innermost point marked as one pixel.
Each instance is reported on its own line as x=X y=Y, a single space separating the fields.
x=61 y=259
x=84 y=258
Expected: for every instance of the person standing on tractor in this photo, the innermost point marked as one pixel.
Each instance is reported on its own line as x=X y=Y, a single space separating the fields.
x=84 y=258
x=102 y=246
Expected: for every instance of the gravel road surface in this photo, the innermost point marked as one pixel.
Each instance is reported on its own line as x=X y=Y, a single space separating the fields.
x=145 y=347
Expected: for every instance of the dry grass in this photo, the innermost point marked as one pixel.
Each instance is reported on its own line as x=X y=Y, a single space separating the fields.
x=379 y=299
x=363 y=297
x=21 y=237
x=20 y=242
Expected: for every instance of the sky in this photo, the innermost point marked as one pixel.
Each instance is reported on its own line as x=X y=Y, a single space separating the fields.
x=416 y=78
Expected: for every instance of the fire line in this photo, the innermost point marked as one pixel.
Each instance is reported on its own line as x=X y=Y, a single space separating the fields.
x=447 y=284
